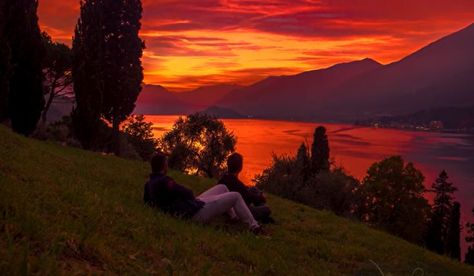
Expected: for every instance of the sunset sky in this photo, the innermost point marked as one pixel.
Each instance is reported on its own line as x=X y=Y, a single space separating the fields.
x=192 y=43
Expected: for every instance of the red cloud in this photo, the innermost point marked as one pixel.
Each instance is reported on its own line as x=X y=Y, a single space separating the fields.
x=167 y=27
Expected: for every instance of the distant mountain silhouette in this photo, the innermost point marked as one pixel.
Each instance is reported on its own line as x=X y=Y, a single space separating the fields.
x=207 y=95
x=156 y=99
x=438 y=75
x=294 y=96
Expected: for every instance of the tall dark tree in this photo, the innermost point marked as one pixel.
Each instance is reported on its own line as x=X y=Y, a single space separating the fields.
x=303 y=161
x=57 y=66
x=469 y=258
x=107 y=70
x=86 y=74
x=453 y=238
x=392 y=194
x=320 y=150
x=23 y=38
x=5 y=67
x=439 y=224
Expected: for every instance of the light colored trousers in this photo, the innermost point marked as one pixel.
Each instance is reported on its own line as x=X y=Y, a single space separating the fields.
x=218 y=201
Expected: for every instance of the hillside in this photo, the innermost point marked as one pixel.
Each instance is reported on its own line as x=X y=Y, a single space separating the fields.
x=68 y=211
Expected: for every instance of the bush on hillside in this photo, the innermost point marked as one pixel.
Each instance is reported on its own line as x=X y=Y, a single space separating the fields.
x=291 y=177
x=59 y=131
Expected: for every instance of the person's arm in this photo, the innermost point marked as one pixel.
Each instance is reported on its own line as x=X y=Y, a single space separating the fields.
x=179 y=190
x=247 y=195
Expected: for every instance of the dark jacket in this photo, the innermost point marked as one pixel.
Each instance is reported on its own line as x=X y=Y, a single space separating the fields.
x=250 y=195
x=163 y=192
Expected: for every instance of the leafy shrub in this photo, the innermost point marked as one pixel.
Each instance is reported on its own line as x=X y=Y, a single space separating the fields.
x=59 y=131
x=140 y=135
x=198 y=144
x=293 y=178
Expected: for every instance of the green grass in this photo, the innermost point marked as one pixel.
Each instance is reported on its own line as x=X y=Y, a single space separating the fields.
x=64 y=210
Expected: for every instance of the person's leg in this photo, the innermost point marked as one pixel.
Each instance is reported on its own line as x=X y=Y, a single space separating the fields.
x=220 y=204
x=216 y=190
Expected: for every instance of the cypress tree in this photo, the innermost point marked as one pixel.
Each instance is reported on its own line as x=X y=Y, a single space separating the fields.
x=303 y=161
x=442 y=209
x=86 y=74
x=107 y=70
x=4 y=64
x=320 y=150
x=23 y=36
x=453 y=242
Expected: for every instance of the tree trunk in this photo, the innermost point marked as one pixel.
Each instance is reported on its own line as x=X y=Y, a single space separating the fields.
x=49 y=102
x=116 y=135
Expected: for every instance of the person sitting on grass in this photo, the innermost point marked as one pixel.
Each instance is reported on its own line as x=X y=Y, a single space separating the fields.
x=254 y=197
x=162 y=192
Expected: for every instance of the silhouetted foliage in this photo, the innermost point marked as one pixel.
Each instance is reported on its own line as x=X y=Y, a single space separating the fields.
x=320 y=150
x=303 y=160
x=469 y=257
x=292 y=178
x=23 y=42
x=5 y=66
x=453 y=238
x=140 y=134
x=86 y=74
x=107 y=70
x=392 y=194
x=198 y=144
x=57 y=66
x=439 y=222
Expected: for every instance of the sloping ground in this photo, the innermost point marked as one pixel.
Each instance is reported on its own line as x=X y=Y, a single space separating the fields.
x=64 y=210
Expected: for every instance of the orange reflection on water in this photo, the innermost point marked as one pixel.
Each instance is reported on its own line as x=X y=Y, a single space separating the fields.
x=258 y=140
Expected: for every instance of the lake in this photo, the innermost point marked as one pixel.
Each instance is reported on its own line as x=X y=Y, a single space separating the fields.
x=355 y=148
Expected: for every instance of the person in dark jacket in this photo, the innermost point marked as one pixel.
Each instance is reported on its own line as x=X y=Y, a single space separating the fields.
x=253 y=197
x=162 y=192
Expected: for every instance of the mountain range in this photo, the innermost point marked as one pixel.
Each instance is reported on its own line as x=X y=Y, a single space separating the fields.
x=440 y=74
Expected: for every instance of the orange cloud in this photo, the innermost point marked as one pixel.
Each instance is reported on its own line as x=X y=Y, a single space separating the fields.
x=191 y=43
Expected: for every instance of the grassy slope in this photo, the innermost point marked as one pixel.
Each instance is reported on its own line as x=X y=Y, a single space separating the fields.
x=67 y=210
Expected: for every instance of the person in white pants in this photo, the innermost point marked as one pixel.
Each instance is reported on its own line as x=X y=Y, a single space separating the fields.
x=162 y=192
x=218 y=200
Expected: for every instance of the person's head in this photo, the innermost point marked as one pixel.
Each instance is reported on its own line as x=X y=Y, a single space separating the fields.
x=235 y=163
x=159 y=163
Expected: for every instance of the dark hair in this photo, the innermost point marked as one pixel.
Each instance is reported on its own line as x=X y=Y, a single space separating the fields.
x=158 y=162
x=234 y=163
